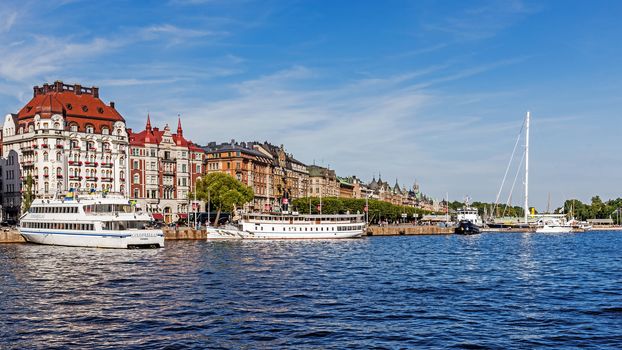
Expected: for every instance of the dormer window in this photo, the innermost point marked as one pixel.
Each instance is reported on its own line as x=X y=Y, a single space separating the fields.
x=73 y=127
x=105 y=130
x=89 y=129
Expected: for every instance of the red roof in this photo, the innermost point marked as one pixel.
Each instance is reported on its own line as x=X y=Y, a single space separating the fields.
x=72 y=101
x=154 y=136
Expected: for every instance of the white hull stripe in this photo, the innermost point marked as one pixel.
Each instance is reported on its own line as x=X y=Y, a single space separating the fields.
x=75 y=234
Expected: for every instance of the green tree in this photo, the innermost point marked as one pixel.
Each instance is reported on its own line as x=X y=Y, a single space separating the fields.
x=223 y=191
x=28 y=197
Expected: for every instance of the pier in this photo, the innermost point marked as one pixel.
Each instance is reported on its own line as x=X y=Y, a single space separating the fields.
x=407 y=230
x=11 y=236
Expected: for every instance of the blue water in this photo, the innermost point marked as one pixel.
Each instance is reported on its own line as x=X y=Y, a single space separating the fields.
x=487 y=291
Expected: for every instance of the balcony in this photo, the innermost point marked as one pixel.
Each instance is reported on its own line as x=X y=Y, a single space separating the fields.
x=75 y=177
x=59 y=176
x=75 y=163
x=60 y=146
x=91 y=178
x=107 y=150
x=106 y=165
x=106 y=179
x=90 y=164
x=45 y=145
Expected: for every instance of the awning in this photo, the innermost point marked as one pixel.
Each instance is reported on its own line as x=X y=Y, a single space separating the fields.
x=157 y=216
x=183 y=215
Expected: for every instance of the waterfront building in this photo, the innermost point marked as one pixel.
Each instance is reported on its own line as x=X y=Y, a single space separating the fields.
x=290 y=176
x=346 y=188
x=164 y=168
x=248 y=165
x=322 y=182
x=65 y=137
x=275 y=176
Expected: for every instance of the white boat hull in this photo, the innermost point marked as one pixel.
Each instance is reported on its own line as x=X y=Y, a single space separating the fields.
x=233 y=233
x=113 y=239
x=554 y=229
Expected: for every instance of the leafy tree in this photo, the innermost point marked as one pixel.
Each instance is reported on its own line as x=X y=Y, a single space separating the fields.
x=223 y=191
x=28 y=196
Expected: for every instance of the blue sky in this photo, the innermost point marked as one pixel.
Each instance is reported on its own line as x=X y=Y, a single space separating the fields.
x=428 y=90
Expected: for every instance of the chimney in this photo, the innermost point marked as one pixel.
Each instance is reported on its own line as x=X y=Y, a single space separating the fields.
x=112 y=104
x=35 y=91
x=58 y=85
x=46 y=88
x=95 y=92
x=77 y=89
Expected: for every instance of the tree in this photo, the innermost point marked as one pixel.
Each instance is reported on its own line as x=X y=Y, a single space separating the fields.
x=28 y=197
x=223 y=191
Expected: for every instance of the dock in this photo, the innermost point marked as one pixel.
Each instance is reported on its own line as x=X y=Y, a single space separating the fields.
x=408 y=230
x=11 y=236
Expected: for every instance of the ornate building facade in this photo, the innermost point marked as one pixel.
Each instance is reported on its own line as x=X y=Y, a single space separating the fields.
x=322 y=182
x=66 y=138
x=164 y=168
x=248 y=165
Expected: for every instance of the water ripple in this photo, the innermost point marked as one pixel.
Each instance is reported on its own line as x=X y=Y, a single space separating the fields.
x=493 y=291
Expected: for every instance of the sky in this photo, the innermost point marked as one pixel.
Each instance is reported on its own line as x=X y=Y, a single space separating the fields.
x=427 y=91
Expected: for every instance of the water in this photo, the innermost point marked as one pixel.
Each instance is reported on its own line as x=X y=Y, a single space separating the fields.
x=486 y=291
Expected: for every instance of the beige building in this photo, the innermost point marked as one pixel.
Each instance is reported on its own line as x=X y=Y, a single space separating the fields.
x=322 y=182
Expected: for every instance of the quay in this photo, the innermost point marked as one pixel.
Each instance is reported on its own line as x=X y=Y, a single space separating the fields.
x=11 y=236
x=408 y=230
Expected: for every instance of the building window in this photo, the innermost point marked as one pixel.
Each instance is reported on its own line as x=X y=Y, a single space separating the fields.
x=105 y=130
x=135 y=164
x=136 y=193
x=89 y=129
x=136 y=178
x=58 y=156
x=45 y=156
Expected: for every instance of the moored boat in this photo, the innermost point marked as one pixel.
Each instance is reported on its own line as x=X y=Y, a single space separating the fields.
x=291 y=226
x=100 y=221
x=469 y=221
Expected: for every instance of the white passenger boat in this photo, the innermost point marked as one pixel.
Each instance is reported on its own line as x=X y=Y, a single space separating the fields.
x=291 y=226
x=102 y=221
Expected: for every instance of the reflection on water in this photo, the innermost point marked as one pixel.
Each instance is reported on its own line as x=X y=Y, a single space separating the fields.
x=490 y=290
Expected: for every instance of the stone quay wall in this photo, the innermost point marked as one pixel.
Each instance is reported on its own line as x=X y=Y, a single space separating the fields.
x=11 y=236
x=408 y=230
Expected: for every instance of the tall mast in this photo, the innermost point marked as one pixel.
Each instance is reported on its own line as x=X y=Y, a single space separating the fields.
x=527 y=168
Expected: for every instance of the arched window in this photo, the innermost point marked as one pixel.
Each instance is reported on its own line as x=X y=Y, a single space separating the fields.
x=89 y=128
x=36 y=172
x=73 y=127
x=57 y=125
x=45 y=156
x=58 y=156
x=31 y=128
x=122 y=174
x=45 y=171
x=47 y=187
x=59 y=171
x=105 y=130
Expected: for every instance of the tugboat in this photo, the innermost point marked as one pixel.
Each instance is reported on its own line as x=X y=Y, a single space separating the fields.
x=469 y=221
